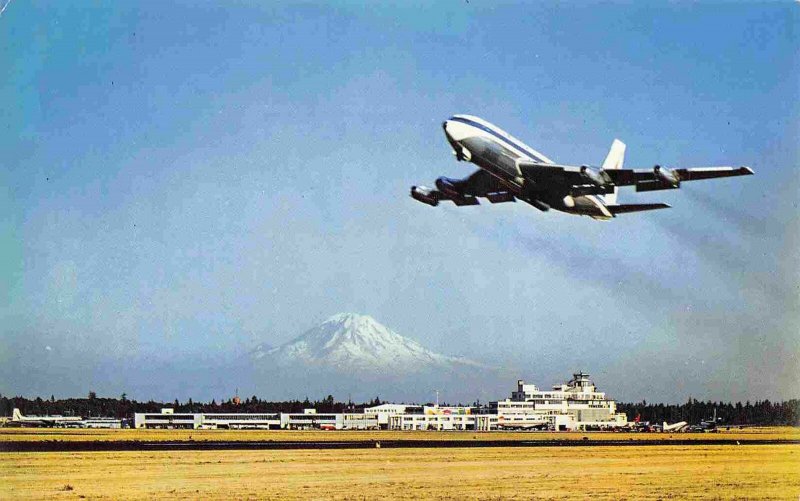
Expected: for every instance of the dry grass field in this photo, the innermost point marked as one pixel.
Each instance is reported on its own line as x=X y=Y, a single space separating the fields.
x=63 y=434
x=634 y=472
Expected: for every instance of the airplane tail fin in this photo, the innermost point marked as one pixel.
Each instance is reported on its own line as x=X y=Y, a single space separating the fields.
x=614 y=160
x=16 y=415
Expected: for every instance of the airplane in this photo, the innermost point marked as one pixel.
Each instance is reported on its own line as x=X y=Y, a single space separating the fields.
x=707 y=425
x=509 y=170
x=55 y=420
x=680 y=425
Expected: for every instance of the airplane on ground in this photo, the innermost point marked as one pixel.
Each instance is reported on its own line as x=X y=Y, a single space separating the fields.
x=705 y=425
x=511 y=170
x=680 y=425
x=55 y=420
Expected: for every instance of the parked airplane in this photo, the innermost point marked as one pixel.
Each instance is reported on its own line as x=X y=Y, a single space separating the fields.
x=680 y=425
x=56 y=420
x=511 y=170
x=705 y=425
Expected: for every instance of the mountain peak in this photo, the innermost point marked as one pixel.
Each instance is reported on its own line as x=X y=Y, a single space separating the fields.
x=353 y=342
x=352 y=319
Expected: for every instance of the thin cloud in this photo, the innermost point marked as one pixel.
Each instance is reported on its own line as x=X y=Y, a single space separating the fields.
x=583 y=263
x=746 y=222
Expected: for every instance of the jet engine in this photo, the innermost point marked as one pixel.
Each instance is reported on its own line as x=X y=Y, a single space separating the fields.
x=447 y=186
x=597 y=177
x=424 y=195
x=668 y=176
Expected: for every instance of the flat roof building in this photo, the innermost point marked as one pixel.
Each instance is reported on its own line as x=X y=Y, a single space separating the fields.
x=575 y=405
x=167 y=419
x=578 y=399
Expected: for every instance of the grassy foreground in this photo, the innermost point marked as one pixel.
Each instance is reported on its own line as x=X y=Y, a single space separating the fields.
x=63 y=434
x=645 y=472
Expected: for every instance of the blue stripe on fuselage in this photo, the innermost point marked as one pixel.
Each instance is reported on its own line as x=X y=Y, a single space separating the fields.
x=499 y=136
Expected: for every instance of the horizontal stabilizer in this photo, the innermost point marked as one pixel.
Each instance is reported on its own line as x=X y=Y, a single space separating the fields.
x=622 y=209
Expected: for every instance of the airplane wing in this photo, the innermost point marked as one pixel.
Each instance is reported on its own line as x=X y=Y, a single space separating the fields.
x=590 y=181
x=541 y=173
x=464 y=191
x=661 y=178
x=566 y=177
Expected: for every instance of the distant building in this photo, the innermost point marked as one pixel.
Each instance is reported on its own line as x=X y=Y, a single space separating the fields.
x=101 y=422
x=576 y=405
x=384 y=412
x=434 y=417
x=167 y=419
x=307 y=420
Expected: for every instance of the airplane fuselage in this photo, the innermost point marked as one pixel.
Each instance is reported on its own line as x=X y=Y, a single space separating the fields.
x=498 y=153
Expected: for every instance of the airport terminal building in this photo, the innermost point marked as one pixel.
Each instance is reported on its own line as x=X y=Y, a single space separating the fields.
x=571 y=406
x=576 y=405
x=307 y=420
x=168 y=419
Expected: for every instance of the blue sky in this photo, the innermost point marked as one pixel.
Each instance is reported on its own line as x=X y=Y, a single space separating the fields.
x=183 y=181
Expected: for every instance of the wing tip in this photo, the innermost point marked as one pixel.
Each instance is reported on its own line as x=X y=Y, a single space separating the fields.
x=747 y=171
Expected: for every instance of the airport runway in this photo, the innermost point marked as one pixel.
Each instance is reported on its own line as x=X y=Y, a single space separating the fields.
x=81 y=446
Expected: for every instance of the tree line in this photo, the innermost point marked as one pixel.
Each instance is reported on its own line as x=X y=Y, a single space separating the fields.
x=123 y=407
x=762 y=412
x=759 y=413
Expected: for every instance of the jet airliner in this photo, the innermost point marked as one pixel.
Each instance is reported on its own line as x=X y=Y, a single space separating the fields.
x=509 y=170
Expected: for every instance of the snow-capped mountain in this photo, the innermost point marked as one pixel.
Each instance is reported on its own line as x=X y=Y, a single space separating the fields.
x=348 y=342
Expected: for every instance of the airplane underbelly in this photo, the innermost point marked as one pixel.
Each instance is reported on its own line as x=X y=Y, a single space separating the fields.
x=494 y=159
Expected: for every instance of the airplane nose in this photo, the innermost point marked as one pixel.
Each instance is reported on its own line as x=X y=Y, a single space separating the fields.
x=446 y=132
